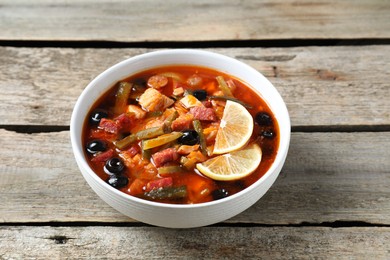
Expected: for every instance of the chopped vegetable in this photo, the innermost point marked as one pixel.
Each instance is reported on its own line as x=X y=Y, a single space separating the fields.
x=169 y=169
x=190 y=101
x=161 y=140
x=141 y=135
x=189 y=164
x=121 y=97
x=173 y=75
x=231 y=99
x=146 y=154
x=224 y=87
x=154 y=114
x=167 y=193
x=202 y=141
x=168 y=121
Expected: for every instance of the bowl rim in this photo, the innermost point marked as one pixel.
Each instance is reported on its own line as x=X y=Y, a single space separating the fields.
x=77 y=143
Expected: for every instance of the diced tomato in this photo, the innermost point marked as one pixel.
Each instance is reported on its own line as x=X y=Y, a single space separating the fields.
x=198 y=188
x=136 y=187
x=159 y=183
x=197 y=155
x=133 y=150
x=104 y=156
x=186 y=149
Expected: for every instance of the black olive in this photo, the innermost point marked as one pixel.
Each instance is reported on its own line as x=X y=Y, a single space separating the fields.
x=140 y=81
x=118 y=181
x=139 y=85
x=114 y=166
x=189 y=137
x=200 y=94
x=268 y=134
x=95 y=146
x=263 y=119
x=219 y=194
x=97 y=115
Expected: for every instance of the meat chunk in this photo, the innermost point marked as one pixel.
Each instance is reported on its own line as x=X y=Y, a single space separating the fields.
x=207 y=103
x=159 y=183
x=114 y=126
x=203 y=113
x=152 y=100
x=137 y=111
x=164 y=156
x=157 y=81
x=178 y=91
x=104 y=156
x=109 y=126
x=182 y=122
x=123 y=121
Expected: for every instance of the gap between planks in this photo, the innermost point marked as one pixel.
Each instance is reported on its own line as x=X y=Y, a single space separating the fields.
x=333 y=224
x=268 y=43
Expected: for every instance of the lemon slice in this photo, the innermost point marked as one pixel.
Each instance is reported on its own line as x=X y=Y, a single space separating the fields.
x=232 y=166
x=235 y=129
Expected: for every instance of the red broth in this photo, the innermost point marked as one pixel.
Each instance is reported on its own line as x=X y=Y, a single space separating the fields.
x=167 y=173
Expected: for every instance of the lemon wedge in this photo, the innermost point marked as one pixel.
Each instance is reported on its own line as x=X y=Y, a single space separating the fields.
x=235 y=129
x=232 y=166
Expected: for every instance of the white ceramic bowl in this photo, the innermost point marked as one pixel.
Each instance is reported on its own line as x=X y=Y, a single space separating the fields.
x=168 y=215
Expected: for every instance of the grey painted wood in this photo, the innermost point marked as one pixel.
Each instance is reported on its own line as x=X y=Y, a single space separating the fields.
x=47 y=211
x=327 y=177
x=137 y=21
x=98 y=242
x=341 y=85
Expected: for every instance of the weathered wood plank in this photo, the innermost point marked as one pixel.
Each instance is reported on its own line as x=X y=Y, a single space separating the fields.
x=321 y=85
x=137 y=21
x=203 y=243
x=327 y=177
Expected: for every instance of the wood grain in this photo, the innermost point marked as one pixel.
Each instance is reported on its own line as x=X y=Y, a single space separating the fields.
x=327 y=177
x=202 y=243
x=172 y=20
x=341 y=85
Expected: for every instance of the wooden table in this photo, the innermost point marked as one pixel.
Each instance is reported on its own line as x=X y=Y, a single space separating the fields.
x=330 y=62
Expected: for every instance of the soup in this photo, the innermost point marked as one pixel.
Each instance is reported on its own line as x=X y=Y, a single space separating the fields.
x=155 y=135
